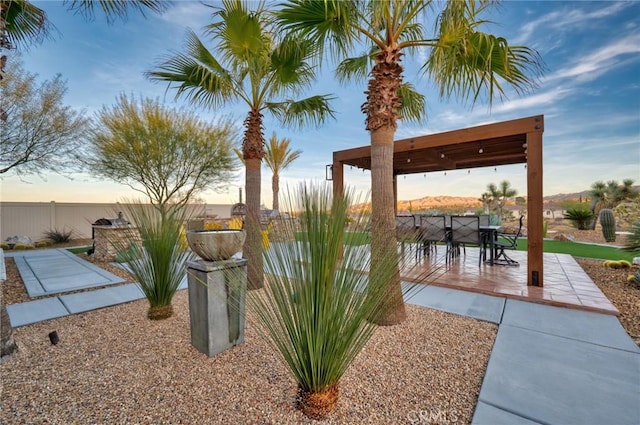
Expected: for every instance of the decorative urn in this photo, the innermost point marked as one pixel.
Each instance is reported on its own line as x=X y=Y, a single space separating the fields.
x=216 y=245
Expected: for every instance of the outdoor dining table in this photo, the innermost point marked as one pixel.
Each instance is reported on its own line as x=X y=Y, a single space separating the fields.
x=491 y=234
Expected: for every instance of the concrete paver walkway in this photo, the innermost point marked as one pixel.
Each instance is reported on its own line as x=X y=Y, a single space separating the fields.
x=549 y=365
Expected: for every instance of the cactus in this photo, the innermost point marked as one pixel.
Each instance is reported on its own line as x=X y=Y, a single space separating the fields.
x=608 y=223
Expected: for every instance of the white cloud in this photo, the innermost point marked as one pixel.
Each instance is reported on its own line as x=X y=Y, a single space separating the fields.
x=591 y=66
x=188 y=14
x=565 y=19
x=536 y=101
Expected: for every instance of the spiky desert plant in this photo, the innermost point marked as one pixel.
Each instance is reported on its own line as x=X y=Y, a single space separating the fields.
x=633 y=240
x=319 y=305
x=161 y=265
x=59 y=236
x=608 y=223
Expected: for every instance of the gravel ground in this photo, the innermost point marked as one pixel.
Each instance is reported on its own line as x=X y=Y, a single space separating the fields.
x=115 y=366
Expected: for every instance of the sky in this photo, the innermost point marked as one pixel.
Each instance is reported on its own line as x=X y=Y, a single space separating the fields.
x=589 y=96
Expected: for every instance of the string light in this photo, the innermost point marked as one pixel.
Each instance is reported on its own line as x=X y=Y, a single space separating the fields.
x=495 y=169
x=468 y=171
x=441 y=155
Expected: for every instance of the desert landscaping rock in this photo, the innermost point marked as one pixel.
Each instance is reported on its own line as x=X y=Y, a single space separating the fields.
x=115 y=366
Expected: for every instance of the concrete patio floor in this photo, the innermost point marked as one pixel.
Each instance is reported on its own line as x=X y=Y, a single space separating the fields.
x=565 y=283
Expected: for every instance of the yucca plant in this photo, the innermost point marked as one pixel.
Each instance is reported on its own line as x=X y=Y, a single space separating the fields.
x=161 y=263
x=579 y=216
x=319 y=304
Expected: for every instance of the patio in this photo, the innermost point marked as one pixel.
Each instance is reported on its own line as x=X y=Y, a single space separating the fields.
x=566 y=284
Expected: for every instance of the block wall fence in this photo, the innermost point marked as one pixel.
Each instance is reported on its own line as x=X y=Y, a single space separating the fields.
x=34 y=218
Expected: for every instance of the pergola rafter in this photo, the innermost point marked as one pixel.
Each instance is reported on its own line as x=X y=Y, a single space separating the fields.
x=508 y=142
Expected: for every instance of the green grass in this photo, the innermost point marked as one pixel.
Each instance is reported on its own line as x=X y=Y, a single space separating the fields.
x=350 y=238
x=581 y=250
x=79 y=249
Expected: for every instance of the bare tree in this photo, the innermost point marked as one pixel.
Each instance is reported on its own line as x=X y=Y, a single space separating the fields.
x=40 y=133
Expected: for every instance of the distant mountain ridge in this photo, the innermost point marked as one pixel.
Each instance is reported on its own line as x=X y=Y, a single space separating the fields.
x=466 y=202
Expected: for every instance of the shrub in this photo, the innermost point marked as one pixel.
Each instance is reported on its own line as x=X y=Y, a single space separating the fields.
x=634 y=278
x=161 y=265
x=59 y=236
x=620 y=264
x=22 y=246
x=4 y=246
x=580 y=217
x=43 y=244
x=318 y=309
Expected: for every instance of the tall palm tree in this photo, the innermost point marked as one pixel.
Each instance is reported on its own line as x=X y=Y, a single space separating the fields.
x=463 y=61
x=250 y=66
x=278 y=156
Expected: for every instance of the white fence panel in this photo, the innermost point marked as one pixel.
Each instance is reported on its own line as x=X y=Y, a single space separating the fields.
x=34 y=218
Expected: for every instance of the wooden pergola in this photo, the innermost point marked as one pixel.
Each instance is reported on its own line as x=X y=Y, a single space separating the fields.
x=508 y=142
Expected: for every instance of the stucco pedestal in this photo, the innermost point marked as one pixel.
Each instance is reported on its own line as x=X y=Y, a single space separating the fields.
x=217 y=292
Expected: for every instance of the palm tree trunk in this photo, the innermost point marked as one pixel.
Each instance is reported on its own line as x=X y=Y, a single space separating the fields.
x=383 y=222
x=381 y=108
x=253 y=243
x=275 y=187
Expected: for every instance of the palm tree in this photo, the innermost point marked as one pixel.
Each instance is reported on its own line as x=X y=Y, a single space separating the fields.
x=463 y=61
x=278 y=156
x=250 y=66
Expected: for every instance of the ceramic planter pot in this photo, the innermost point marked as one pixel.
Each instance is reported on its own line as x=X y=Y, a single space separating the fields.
x=216 y=245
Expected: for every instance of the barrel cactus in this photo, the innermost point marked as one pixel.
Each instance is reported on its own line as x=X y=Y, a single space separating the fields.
x=608 y=223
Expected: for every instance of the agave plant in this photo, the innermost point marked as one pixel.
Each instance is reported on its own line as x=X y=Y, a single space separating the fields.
x=159 y=264
x=319 y=305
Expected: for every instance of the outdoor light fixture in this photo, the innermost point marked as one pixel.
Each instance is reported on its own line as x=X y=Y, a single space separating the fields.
x=480 y=150
x=328 y=172
x=441 y=155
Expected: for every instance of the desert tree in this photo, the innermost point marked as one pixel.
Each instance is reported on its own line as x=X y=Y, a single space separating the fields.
x=168 y=154
x=40 y=133
x=461 y=60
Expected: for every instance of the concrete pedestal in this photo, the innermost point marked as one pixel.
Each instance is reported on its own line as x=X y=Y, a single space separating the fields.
x=217 y=291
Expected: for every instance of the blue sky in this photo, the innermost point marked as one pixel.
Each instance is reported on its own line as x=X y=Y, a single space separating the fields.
x=589 y=95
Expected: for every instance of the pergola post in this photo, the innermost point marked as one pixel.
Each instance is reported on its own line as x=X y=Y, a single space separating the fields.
x=395 y=193
x=535 y=265
x=338 y=177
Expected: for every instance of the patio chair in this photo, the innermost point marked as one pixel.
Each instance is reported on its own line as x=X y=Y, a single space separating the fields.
x=406 y=230
x=506 y=242
x=465 y=230
x=433 y=230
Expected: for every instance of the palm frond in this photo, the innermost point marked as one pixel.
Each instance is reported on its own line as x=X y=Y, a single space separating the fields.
x=354 y=69
x=298 y=113
x=466 y=62
x=327 y=24
x=113 y=9
x=413 y=104
x=25 y=24
x=197 y=74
